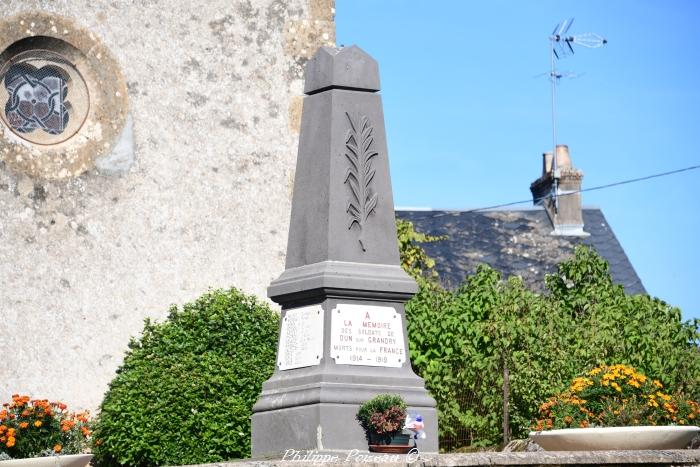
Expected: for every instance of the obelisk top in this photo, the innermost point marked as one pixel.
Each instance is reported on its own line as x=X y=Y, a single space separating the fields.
x=342 y=228
x=341 y=68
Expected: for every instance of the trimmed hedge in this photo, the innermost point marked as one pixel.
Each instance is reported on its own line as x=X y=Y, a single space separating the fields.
x=185 y=391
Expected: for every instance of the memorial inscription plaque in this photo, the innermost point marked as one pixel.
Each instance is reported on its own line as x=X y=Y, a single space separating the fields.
x=301 y=338
x=367 y=335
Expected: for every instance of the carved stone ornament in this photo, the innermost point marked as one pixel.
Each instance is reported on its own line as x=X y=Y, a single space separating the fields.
x=360 y=152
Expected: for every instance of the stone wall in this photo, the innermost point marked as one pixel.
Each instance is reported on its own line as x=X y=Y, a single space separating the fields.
x=193 y=192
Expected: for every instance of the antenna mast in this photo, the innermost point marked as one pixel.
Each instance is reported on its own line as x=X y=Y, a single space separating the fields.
x=561 y=45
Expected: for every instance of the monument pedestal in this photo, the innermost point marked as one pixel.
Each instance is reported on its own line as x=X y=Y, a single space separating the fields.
x=343 y=333
x=314 y=407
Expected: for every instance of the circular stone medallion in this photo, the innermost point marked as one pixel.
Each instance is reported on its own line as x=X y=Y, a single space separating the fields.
x=63 y=97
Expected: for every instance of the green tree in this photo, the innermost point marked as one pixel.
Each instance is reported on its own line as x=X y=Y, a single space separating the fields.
x=461 y=340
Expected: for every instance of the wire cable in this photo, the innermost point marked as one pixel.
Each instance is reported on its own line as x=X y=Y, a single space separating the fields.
x=599 y=187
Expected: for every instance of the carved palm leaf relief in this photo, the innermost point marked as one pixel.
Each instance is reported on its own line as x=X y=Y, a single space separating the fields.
x=359 y=151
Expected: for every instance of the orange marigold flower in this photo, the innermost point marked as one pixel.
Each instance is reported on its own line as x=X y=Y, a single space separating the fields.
x=37 y=423
x=2 y=428
x=10 y=441
x=24 y=424
x=85 y=431
x=584 y=424
x=66 y=425
x=57 y=448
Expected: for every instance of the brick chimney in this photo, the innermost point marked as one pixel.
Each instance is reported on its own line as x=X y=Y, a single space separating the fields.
x=567 y=219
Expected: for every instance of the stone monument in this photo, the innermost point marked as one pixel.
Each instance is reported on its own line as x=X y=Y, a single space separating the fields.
x=343 y=329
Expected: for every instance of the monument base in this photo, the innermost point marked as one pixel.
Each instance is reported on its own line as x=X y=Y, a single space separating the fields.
x=314 y=407
x=321 y=427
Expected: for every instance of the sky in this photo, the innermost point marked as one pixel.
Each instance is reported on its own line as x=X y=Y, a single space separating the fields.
x=467 y=109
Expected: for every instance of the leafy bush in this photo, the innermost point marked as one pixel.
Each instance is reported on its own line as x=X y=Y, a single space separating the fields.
x=384 y=414
x=36 y=428
x=414 y=259
x=462 y=341
x=185 y=391
x=615 y=395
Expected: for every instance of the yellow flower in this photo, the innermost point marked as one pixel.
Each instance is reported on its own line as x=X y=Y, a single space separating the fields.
x=37 y=423
x=657 y=383
x=579 y=384
x=616 y=386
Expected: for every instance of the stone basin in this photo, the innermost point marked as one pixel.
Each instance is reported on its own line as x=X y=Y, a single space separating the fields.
x=71 y=460
x=615 y=438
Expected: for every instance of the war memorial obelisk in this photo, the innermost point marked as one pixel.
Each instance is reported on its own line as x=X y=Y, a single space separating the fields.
x=343 y=329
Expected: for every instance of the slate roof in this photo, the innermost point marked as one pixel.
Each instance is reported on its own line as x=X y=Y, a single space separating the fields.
x=516 y=242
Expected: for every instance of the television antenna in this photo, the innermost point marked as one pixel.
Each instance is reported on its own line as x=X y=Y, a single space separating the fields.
x=562 y=45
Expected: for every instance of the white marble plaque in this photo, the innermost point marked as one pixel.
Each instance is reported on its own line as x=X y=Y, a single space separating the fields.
x=367 y=335
x=301 y=338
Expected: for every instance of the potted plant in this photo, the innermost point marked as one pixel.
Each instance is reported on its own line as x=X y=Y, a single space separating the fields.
x=383 y=418
x=615 y=407
x=38 y=432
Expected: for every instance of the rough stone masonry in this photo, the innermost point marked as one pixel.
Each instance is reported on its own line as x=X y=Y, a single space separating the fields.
x=192 y=192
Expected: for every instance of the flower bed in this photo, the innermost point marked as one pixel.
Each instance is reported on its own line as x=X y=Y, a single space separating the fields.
x=35 y=428
x=615 y=395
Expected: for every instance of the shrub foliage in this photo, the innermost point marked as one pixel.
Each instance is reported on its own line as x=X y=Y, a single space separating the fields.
x=185 y=391
x=461 y=340
x=385 y=413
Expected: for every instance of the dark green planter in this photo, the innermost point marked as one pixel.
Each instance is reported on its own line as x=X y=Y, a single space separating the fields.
x=398 y=439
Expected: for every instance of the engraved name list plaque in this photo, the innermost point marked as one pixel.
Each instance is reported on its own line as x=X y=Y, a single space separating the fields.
x=301 y=338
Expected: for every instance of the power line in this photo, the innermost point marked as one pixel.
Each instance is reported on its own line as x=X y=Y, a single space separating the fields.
x=600 y=187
